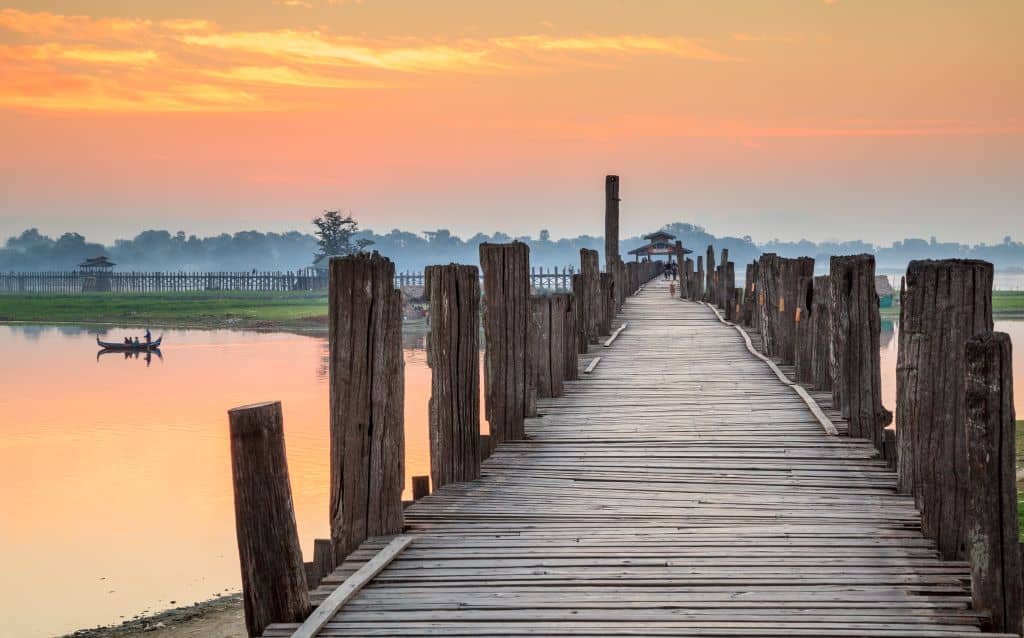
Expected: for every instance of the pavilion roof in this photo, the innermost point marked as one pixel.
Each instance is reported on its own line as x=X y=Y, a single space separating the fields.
x=97 y=262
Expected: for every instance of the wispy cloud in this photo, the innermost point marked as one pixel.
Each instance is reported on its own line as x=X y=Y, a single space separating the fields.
x=84 y=63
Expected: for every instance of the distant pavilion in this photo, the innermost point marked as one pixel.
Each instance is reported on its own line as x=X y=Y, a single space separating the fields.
x=97 y=265
x=96 y=274
x=660 y=243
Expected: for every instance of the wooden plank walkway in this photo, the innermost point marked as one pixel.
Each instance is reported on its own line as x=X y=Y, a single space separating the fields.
x=680 y=489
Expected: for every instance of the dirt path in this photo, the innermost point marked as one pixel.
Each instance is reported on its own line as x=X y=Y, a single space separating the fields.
x=217 y=618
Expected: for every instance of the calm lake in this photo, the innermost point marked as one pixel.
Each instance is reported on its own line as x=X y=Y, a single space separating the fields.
x=116 y=480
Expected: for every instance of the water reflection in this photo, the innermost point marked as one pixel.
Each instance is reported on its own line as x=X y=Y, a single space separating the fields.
x=889 y=348
x=117 y=485
x=146 y=356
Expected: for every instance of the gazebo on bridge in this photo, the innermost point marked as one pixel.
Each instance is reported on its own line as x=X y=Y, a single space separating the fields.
x=659 y=243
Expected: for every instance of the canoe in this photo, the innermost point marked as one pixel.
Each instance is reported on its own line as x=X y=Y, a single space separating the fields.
x=120 y=345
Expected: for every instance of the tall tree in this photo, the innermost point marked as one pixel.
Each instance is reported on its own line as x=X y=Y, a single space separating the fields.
x=334 y=235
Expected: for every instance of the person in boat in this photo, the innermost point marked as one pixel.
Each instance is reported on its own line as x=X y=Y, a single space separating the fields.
x=149 y=337
x=127 y=341
x=136 y=341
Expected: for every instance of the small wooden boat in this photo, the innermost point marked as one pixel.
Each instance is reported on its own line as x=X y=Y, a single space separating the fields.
x=132 y=347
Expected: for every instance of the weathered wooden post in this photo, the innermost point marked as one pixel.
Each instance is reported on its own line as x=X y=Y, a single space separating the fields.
x=590 y=298
x=767 y=302
x=697 y=291
x=992 y=525
x=540 y=345
x=709 y=269
x=805 y=331
x=685 y=274
x=453 y=354
x=945 y=302
x=612 y=258
x=747 y=302
x=571 y=350
x=857 y=376
x=367 y=388
x=720 y=293
x=729 y=289
x=821 y=348
x=420 y=487
x=606 y=299
x=273 y=576
x=579 y=319
x=506 y=316
x=557 y=335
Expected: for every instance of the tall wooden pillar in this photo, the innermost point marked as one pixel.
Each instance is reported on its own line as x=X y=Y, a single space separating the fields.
x=992 y=526
x=590 y=298
x=506 y=269
x=709 y=269
x=273 y=577
x=453 y=354
x=945 y=302
x=857 y=377
x=367 y=388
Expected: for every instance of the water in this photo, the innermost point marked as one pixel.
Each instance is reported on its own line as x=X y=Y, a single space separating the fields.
x=116 y=481
x=115 y=487
x=889 y=346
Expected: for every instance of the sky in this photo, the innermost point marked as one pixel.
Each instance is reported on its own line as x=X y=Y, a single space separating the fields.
x=819 y=119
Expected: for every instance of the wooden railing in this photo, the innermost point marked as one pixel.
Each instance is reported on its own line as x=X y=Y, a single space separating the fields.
x=310 y=279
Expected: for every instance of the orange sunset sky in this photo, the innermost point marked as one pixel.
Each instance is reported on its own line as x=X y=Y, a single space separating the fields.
x=870 y=119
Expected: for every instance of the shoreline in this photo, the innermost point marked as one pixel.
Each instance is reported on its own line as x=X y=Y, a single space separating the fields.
x=220 y=617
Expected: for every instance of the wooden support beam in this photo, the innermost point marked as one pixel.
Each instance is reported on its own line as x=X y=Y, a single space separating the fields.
x=344 y=593
x=453 y=354
x=274 y=585
x=367 y=392
x=992 y=534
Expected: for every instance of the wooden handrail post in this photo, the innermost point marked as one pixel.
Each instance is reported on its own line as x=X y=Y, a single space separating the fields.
x=453 y=354
x=506 y=319
x=367 y=390
x=992 y=534
x=273 y=576
x=945 y=302
x=611 y=222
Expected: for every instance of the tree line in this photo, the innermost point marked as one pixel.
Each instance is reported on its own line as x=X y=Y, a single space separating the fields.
x=247 y=250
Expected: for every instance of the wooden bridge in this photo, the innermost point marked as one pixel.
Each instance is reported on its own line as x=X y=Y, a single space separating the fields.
x=680 y=489
x=682 y=458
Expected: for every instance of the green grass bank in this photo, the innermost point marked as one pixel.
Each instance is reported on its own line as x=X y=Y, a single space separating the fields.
x=261 y=310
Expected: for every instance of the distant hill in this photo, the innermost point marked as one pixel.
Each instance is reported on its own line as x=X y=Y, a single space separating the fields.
x=246 y=250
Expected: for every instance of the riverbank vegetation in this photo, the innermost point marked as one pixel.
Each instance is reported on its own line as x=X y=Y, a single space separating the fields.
x=262 y=310
x=1006 y=304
